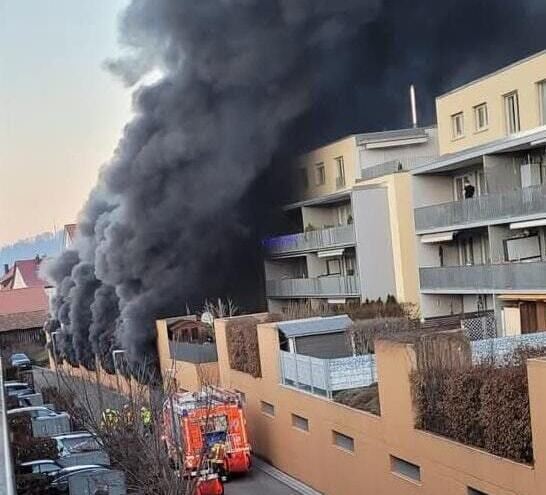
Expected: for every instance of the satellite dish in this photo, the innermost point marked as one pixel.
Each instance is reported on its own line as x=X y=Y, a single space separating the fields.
x=208 y=318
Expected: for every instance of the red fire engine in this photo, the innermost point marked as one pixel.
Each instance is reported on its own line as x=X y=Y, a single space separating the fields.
x=207 y=432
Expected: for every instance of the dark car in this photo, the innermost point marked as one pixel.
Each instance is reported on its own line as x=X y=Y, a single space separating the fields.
x=20 y=360
x=59 y=484
x=17 y=389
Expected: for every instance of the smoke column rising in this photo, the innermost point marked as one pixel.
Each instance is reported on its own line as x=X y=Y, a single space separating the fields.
x=177 y=213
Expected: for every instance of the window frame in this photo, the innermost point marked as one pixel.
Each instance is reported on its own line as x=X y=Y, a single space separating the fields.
x=328 y=272
x=320 y=174
x=474 y=491
x=267 y=408
x=482 y=106
x=297 y=420
x=396 y=462
x=337 y=434
x=512 y=96
x=454 y=119
x=541 y=85
x=340 y=171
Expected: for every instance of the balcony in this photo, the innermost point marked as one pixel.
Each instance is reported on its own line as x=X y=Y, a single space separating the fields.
x=509 y=206
x=314 y=287
x=314 y=240
x=506 y=277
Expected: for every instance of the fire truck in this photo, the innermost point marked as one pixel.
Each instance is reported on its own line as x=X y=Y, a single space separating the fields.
x=206 y=432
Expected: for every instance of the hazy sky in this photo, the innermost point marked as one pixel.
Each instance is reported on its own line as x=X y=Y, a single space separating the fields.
x=61 y=113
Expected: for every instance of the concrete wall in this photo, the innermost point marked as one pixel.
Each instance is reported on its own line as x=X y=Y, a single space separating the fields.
x=522 y=77
x=431 y=190
x=327 y=154
x=446 y=466
x=374 y=242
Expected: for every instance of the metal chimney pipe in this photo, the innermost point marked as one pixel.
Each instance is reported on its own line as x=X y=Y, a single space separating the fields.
x=413 y=106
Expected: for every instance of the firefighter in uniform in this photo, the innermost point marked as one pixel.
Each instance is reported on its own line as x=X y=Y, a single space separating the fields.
x=146 y=418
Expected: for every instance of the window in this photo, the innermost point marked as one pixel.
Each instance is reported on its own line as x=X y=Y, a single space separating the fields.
x=343 y=441
x=300 y=423
x=304 y=178
x=457 y=125
x=340 y=171
x=511 y=110
x=473 y=491
x=522 y=248
x=405 y=468
x=350 y=265
x=344 y=214
x=481 y=118
x=542 y=101
x=466 y=250
x=268 y=408
x=333 y=267
x=320 y=174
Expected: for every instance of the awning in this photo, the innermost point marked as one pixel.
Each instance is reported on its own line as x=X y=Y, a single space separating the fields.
x=528 y=223
x=330 y=253
x=440 y=237
x=523 y=297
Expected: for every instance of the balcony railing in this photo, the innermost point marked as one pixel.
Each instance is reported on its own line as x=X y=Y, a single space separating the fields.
x=193 y=353
x=314 y=287
x=504 y=277
x=394 y=166
x=313 y=240
x=509 y=205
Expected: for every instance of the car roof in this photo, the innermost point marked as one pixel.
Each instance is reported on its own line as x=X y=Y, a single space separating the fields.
x=29 y=409
x=80 y=434
x=39 y=461
x=18 y=354
x=72 y=469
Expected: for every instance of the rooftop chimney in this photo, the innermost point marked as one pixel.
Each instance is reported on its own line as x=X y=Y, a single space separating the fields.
x=413 y=106
x=6 y=268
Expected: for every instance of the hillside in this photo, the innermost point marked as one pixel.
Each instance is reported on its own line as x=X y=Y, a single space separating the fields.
x=48 y=243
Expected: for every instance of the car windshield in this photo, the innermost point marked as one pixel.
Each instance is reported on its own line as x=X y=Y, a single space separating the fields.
x=81 y=444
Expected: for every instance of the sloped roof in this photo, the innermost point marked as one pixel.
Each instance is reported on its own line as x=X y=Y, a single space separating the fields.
x=23 y=300
x=29 y=271
x=315 y=326
x=23 y=321
x=6 y=279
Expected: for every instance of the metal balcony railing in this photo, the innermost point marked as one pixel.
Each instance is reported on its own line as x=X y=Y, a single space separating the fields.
x=496 y=278
x=313 y=240
x=314 y=287
x=394 y=166
x=509 y=205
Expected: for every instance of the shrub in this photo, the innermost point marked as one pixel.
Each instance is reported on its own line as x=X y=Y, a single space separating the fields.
x=363 y=333
x=485 y=406
x=32 y=484
x=32 y=449
x=242 y=344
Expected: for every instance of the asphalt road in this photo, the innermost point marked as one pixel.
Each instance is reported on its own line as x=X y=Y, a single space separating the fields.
x=257 y=483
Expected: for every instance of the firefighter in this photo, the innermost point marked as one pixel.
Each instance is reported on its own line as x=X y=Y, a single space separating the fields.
x=127 y=414
x=146 y=418
x=110 y=418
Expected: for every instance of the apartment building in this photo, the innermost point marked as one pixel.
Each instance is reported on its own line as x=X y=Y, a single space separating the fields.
x=480 y=208
x=352 y=213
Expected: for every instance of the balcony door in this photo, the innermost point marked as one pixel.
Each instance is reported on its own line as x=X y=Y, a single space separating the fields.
x=476 y=179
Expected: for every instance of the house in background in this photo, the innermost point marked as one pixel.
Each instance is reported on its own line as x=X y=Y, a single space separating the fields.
x=69 y=235
x=480 y=208
x=22 y=275
x=23 y=313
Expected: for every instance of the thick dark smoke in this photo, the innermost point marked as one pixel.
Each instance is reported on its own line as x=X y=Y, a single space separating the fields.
x=178 y=212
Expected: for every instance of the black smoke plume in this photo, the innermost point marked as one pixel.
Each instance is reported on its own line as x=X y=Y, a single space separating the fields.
x=178 y=213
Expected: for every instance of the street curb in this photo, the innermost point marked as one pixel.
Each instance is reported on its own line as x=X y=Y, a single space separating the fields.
x=293 y=483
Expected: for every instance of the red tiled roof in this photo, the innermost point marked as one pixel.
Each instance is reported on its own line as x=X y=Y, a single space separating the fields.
x=29 y=270
x=23 y=321
x=7 y=279
x=23 y=300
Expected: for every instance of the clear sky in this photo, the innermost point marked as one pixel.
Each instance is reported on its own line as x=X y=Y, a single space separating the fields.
x=61 y=112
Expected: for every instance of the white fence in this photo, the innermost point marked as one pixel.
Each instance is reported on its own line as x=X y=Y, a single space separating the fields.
x=501 y=347
x=325 y=376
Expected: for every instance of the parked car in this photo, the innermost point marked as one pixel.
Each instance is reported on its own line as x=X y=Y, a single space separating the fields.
x=41 y=466
x=20 y=360
x=17 y=389
x=36 y=412
x=76 y=442
x=59 y=484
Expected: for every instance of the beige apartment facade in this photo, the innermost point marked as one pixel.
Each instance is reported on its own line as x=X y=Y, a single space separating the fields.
x=353 y=238
x=506 y=102
x=480 y=208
